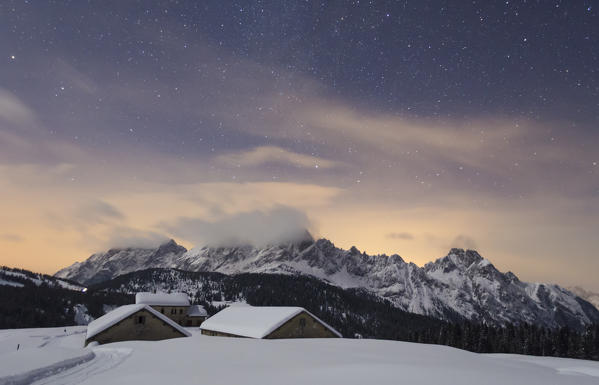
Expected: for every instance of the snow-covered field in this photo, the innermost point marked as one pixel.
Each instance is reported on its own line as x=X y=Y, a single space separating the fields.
x=53 y=356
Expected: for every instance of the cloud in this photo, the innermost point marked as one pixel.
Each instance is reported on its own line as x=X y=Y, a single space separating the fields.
x=11 y=237
x=13 y=110
x=464 y=242
x=61 y=69
x=258 y=228
x=99 y=212
x=406 y=236
x=122 y=236
x=272 y=154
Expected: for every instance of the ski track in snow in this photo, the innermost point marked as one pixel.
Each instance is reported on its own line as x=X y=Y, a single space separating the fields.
x=105 y=359
x=55 y=340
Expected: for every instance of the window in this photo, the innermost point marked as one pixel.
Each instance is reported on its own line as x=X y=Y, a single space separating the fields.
x=173 y=311
x=140 y=320
x=162 y=310
x=180 y=311
x=302 y=322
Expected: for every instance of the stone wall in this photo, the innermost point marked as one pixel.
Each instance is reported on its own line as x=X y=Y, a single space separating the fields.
x=130 y=329
x=302 y=325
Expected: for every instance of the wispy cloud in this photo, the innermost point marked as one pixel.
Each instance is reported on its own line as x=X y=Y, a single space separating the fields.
x=402 y=235
x=99 y=211
x=123 y=236
x=11 y=237
x=464 y=242
x=14 y=111
x=262 y=155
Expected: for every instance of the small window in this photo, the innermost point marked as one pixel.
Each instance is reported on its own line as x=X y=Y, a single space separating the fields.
x=180 y=311
x=173 y=311
x=162 y=310
x=302 y=322
x=140 y=320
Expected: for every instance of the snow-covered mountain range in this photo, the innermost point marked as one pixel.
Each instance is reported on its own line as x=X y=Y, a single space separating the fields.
x=461 y=285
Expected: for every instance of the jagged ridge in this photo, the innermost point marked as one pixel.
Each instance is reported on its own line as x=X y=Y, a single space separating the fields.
x=461 y=285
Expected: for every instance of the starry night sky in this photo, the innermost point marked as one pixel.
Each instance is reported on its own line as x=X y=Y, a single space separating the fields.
x=397 y=126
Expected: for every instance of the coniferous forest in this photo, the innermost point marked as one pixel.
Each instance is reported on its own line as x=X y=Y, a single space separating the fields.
x=515 y=339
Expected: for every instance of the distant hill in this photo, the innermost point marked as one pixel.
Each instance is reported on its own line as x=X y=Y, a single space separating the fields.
x=19 y=277
x=30 y=299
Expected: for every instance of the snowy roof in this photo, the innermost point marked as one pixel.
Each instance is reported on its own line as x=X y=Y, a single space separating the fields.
x=254 y=321
x=120 y=313
x=162 y=299
x=197 y=311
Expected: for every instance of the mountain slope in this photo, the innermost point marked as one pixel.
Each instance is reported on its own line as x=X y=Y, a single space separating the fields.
x=19 y=278
x=350 y=311
x=461 y=285
x=30 y=299
x=104 y=266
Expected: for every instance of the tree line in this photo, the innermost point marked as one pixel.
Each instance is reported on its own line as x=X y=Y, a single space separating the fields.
x=515 y=339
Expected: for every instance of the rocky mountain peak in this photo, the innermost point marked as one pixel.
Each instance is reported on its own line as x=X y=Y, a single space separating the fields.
x=512 y=277
x=303 y=241
x=396 y=259
x=171 y=247
x=354 y=250
x=464 y=257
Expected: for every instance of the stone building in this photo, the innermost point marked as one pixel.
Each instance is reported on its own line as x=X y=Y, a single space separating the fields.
x=176 y=306
x=196 y=314
x=133 y=322
x=268 y=322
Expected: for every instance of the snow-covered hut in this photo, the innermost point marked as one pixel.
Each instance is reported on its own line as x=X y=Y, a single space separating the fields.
x=196 y=314
x=133 y=322
x=173 y=305
x=268 y=322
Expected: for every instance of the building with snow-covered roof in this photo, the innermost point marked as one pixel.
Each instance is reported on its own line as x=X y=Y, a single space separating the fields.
x=268 y=322
x=133 y=322
x=196 y=314
x=176 y=306
x=173 y=305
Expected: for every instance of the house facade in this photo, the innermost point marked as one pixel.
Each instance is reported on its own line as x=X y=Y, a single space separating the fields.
x=133 y=322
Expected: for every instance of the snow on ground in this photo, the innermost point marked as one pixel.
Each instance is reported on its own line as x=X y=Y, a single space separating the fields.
x=220 y=360
x=26 y=354
x=71 y=337
x=229 y=303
